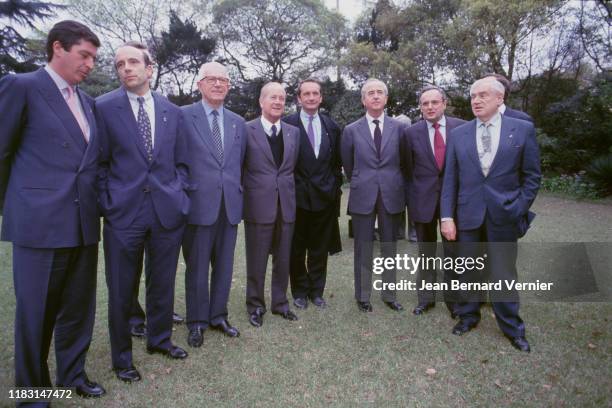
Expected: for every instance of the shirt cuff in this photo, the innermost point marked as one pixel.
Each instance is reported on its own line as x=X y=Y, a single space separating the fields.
x=446 y=219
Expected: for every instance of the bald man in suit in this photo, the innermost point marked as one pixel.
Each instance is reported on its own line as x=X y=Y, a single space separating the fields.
x=269 y=203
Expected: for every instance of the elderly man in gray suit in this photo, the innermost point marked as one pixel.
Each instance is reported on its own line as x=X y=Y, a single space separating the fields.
x=371 y=159
x=217 y=145
x=269 y=203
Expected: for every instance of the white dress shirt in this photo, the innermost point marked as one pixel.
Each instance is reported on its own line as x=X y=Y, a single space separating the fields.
x=432 y=132
x=267 y=125
x=149 y=107
x=502 y=108
x=372 y=125
x=486 y=159
x=316 y=126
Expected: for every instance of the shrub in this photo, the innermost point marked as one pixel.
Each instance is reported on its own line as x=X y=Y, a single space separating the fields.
x=573 y=185
x=599 y=172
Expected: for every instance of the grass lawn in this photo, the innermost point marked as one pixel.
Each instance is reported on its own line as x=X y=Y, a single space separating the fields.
x=342 y=357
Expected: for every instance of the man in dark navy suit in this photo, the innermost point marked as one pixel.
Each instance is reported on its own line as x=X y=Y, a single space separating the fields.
x=424 y=149
x=503 y=108
x=318 y=178
x=48 y=161
x=217 y=146
x=142 y=182
x=491 y=179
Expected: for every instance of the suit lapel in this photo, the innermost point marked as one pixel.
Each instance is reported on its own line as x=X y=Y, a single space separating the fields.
x=200 y=122
x=262 y=140
x=364 y=131
x=423 y=133
x=472 y=149
x=388 y=130
x=505 y=137
x=161 y=124
x=229 y=134
x=288 y=142
x=126 y=114
x=59 y=106
x=89 y=115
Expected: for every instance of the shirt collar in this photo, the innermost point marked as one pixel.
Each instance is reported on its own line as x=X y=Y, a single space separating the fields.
x=502 y=108
x=208 y=109
x=381 y=118
x=133 y=97
x=442 y=122
x=493 y=121
x=306 y=116
x=267 y=125
x=59 y=81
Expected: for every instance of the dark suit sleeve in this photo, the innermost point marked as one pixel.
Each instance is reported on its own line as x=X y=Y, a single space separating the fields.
x=104 y=157
x=181 y=152
x=13 y=106
x=530 y=171
x=406 y=153
x=448 y=197
x=346 y=151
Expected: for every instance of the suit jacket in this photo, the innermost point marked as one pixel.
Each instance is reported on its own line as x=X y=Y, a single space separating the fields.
x=367 y=173
x=47 y=169
x=265 y=184
x=317 y=179
x=517 y=114
x=212 y=180
x=126 y=176
x=511 y=185
x=424 y=178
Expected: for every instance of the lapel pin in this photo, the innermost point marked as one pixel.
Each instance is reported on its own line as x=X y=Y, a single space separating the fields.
x=165 y=120
x=510 y=136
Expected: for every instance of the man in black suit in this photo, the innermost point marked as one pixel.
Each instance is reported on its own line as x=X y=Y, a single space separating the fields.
x=424 y=150
x=506 y=110
x=317 y=188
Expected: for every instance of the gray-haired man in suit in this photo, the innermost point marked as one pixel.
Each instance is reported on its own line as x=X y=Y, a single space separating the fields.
x=217 y=143
x=371 y=159
x=269 y=203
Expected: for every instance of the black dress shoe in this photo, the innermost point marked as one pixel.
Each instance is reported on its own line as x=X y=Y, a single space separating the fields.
x=140 y=330
x=319 y=302
x=128 y=375
x=393 y=305
x=89 y=389
x=463 y=327
x=422 y=308
x=300 y=303
x=288 y=315
x=174 y=352
x=176 y=318
x=364 y=306
x=195 y=338
x=227 y=328
x=520 y=343
x=256 y=318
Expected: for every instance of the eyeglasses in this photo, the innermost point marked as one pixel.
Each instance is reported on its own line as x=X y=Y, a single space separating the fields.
x=210 y=80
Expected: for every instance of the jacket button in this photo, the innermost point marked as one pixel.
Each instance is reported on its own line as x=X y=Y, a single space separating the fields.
x=65 y=144
x=76 y=201
x=146 y=190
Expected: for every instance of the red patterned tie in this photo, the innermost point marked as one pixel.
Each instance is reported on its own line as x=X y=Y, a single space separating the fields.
x=439 y=146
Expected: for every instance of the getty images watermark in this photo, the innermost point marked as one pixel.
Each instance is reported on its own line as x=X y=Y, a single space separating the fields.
x=460 y=265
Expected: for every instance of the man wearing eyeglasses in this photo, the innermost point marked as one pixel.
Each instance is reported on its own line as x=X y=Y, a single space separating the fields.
x=217 y=143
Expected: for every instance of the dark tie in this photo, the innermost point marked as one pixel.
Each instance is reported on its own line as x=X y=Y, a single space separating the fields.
x=273 y=135
x=144 y=128
x=377 y=136
x=216 y=133
x=311 y=135
x=439 y=146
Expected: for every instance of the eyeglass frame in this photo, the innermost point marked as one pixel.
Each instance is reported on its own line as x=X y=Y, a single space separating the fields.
x=212 y=80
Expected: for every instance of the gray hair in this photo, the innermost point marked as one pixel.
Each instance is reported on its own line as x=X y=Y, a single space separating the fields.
x=428 y=88
x=272 y=84
x=370 y=81
x=207 y=65
x=493 y=83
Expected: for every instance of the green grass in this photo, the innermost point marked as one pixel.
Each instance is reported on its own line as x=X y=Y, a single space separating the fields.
x=342 y=357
